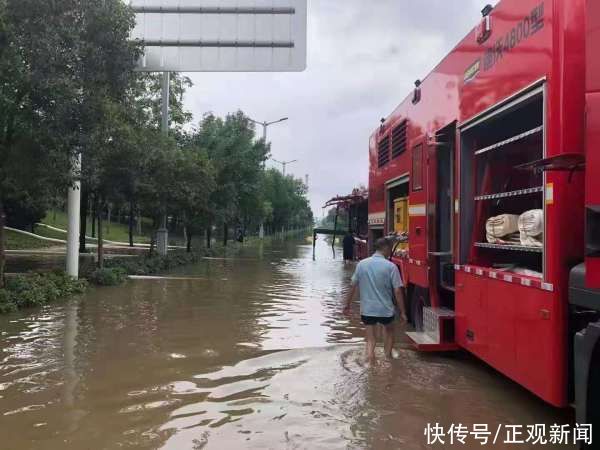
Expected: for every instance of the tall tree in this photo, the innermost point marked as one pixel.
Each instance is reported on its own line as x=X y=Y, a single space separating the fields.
x=36 y=107
x=238 y=160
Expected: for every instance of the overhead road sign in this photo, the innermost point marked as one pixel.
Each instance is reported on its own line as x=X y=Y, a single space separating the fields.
x=177 y=9
x=221 y=36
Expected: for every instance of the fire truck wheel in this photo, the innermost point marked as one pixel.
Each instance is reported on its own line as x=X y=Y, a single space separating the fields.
x=593 y=397
x=418 y=300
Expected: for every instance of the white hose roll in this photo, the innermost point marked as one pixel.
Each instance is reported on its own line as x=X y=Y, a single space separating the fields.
x=531 y=228
x=500 y=226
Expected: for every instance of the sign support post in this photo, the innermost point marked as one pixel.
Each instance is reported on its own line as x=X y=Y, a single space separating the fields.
x=73 y=208
x=162 y=234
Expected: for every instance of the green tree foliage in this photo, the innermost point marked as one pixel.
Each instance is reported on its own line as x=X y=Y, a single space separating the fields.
x=285 y=205
x=67 y=88
x=60 y=62
x=238 y=162
x=342 y=220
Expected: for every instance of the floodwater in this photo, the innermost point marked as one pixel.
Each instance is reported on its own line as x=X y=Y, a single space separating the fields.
x=243 y=353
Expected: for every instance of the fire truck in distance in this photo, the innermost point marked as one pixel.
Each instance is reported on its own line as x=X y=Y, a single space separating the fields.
x=492 y=165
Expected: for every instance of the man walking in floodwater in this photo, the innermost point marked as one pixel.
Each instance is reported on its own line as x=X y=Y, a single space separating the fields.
x=379 y=285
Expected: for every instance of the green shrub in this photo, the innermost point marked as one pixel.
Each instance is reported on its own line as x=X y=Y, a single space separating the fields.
x=36 y=289
x=108 y=276
x=148 y=265
x=66 y=284
x=7 y=303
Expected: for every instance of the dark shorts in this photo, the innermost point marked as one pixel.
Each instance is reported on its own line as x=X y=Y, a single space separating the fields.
x=372 y=320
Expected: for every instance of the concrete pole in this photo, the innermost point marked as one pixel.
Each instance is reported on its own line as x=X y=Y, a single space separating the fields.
x=166 y=77
x=162 y=234
x=73 y=209
x=261 y=231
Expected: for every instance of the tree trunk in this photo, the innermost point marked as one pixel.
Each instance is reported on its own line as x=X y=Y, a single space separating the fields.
x=208 y=235
x=108 y=211
x=131 y=224
x=2 y=244
x=189 y=242
x=100 y=239
x=152 y=243
x=225 y=234
x=335 y=221
x=94 y=216
x=139 y=224
x=153 y=238
x=83 y=219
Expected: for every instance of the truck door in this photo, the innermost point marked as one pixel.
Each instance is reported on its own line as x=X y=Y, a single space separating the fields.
x=440 y=199
x=417 y=208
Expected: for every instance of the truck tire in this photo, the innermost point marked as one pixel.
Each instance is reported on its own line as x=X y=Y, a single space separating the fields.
x=587 y=376
x=593 y=405
x=418 y=300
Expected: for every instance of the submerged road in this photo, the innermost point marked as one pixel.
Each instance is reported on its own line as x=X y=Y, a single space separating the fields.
x=250 y=352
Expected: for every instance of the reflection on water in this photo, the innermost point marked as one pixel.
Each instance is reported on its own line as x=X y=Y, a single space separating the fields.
x=250 y=352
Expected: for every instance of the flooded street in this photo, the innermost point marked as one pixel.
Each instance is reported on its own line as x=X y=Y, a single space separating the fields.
x=249 y=352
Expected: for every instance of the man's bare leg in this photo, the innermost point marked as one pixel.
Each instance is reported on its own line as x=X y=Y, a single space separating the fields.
x=388 y=339
x=370 y=343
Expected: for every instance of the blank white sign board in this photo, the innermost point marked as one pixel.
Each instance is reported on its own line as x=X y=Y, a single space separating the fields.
x=221 y=35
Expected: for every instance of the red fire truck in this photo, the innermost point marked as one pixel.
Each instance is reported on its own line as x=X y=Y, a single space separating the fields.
x=504 y=134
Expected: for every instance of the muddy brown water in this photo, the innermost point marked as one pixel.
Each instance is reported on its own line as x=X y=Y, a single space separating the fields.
x=250 y=352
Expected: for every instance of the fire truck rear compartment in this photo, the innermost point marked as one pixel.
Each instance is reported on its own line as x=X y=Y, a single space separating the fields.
x=492 y=186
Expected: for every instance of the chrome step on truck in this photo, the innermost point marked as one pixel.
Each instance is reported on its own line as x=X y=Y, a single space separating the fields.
x=438 y=331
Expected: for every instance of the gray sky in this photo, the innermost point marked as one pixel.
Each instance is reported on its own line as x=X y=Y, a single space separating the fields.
x=363 y=58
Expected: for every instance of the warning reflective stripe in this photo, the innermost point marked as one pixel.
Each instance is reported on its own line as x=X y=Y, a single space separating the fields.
x=509 y=278
x=377 y=218
x=549 y=193
x=416 y=210
x=547 y=287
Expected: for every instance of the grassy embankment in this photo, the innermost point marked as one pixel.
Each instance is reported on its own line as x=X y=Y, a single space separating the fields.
x=116 y=232
x=18 y=241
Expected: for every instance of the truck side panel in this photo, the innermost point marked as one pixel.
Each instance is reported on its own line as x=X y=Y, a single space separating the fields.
x=592 y=188
x=512 y=328
x=592 y=201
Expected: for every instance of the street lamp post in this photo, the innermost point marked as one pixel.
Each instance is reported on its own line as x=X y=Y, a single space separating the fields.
x=266 y=124
x=284 y=164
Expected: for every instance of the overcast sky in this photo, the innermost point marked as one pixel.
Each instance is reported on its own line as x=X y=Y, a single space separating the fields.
x=363 y=58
